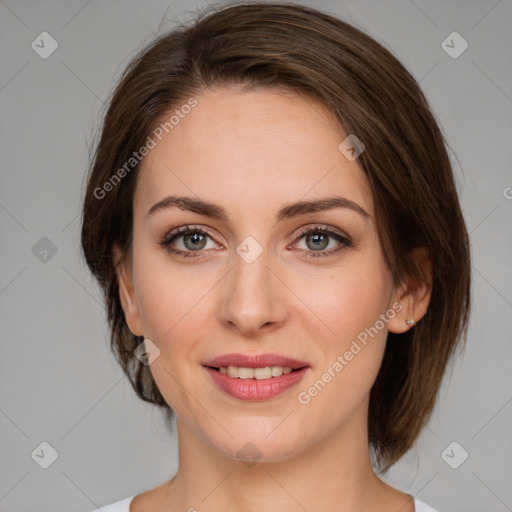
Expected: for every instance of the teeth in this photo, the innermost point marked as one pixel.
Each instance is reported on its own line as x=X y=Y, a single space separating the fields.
x=233 y=371
x=245 y=373
x=267 y=372
x=277 y=371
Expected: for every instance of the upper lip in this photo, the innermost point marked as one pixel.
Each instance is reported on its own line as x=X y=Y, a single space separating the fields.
x=254 y=361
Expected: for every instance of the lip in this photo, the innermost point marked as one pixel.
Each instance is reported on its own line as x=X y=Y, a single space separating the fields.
x=254 y=389
x=255 y=361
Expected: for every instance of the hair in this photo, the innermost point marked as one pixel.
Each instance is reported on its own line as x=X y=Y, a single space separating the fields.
x=298 y=49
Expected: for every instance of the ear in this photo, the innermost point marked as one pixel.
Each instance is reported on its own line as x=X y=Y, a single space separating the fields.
x=126 y=292
x=414 y=295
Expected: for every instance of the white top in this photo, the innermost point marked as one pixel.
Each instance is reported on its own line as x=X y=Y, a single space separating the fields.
x=124 y=506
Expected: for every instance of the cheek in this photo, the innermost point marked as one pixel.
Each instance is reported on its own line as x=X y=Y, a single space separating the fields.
x=169 y=297
x=349 y=364
x=350 y=298
x=354 y=303
x=172 y=314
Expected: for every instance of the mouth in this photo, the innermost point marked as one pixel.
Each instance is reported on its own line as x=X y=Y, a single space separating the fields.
x=255 y=377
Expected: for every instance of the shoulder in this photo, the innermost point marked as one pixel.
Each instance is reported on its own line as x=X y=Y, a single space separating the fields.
x=118 y=506
x=420 y=506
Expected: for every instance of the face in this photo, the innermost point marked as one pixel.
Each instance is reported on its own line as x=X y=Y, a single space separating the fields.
x=263 y=285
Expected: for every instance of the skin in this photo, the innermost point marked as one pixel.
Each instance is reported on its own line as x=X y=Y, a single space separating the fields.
x=252 y=153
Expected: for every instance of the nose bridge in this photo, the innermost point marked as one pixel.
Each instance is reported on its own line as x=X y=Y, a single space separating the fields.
x=250 y=298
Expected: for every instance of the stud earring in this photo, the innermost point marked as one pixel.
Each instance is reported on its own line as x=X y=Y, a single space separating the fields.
x=410 y=322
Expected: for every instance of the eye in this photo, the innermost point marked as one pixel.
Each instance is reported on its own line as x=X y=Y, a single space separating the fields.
x=193 y=239
x=318 y=238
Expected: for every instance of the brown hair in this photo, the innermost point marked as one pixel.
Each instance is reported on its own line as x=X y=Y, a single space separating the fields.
x=300 y=49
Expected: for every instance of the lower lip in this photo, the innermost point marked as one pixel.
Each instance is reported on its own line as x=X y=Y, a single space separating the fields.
x=256 y=390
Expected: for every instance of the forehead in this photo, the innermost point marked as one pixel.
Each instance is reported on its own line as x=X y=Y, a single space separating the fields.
x=252 y=152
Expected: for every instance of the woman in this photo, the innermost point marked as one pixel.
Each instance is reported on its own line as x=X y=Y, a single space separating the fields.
x=272 y=216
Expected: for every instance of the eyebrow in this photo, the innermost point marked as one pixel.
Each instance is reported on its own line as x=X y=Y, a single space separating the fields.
x=286 y=212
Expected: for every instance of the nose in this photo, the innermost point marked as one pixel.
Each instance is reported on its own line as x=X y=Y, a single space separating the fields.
x=253 y=298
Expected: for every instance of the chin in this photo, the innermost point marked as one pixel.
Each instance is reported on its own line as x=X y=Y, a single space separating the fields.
x=263 y=441
x=261 y=450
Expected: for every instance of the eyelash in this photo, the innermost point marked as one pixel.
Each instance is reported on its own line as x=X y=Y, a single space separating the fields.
x=186 y=230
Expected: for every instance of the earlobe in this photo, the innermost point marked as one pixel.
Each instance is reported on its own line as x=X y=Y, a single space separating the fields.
x=415 y=295
x=126 y=292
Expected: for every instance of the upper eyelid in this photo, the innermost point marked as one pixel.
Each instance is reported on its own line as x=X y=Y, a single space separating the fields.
x=319 y=227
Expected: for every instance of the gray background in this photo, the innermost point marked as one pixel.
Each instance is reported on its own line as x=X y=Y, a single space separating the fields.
x=58 y=381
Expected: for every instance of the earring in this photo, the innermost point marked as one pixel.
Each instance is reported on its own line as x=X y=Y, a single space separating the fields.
x=410 y=322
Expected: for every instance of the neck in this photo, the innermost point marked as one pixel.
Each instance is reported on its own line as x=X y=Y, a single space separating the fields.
x=335 y=472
